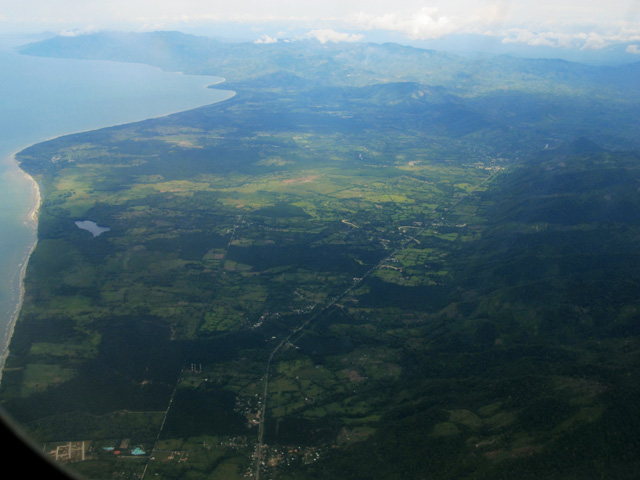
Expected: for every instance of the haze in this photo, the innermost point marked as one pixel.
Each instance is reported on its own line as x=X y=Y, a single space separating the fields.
x=569 y=25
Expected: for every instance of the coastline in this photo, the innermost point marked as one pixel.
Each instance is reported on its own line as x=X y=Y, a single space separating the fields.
x=32 y=217
x=232 y=94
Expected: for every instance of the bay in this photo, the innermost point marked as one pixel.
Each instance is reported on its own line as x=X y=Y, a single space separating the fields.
x=41 y=98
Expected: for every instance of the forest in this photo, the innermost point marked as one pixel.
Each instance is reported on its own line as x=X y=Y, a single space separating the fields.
x=418 y=266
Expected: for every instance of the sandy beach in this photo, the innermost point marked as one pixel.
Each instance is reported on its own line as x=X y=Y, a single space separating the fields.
x=31 y=221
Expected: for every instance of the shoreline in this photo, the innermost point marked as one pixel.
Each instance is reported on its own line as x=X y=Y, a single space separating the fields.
x=32 y=217
x=37 y=200
x=94 y=129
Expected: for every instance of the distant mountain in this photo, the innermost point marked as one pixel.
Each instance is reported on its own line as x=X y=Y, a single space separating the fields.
x=552 y=99
x=355 y=64
x=474 y=45
x=168 y=50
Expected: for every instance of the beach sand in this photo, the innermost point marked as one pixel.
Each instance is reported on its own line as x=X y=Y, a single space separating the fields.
x=31 y=219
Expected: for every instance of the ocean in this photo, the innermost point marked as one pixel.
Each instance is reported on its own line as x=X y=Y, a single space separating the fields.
x=42 y=98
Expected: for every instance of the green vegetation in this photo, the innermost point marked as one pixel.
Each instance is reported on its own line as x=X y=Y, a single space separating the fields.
x=425 y=283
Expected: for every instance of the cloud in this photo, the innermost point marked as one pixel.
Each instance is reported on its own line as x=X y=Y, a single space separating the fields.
x=322 y=35
x=633 y=49
x=566 y=24
x=328 y=35
x=546 y=38
x=433 y=22
x=266 y=39
x=585 y=38
x=78 y=31
x=422 y=24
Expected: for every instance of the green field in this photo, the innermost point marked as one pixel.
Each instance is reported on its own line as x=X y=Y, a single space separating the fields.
x=376 y=280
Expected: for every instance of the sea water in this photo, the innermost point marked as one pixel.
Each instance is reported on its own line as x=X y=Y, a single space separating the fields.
x=41 y=98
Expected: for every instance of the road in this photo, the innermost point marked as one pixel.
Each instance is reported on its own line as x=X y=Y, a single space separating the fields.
x=307 y=322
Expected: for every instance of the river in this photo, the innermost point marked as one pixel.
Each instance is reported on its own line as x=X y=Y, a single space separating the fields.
x=41 y=98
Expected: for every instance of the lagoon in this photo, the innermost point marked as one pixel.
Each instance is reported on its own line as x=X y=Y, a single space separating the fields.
x=41 y=98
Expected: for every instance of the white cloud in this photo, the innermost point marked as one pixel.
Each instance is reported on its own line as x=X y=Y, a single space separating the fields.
x=422 y=24
x=266 y=39
x=328 y=35
x=596 y=41
x=563 y=36
x=546 y=38
x=78 y=31
x=633 y=49
x=564 y=24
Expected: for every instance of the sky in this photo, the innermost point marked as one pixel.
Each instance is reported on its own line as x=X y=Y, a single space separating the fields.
x=569 y=24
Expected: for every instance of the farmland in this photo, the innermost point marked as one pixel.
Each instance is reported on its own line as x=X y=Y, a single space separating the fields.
x=335 y=282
